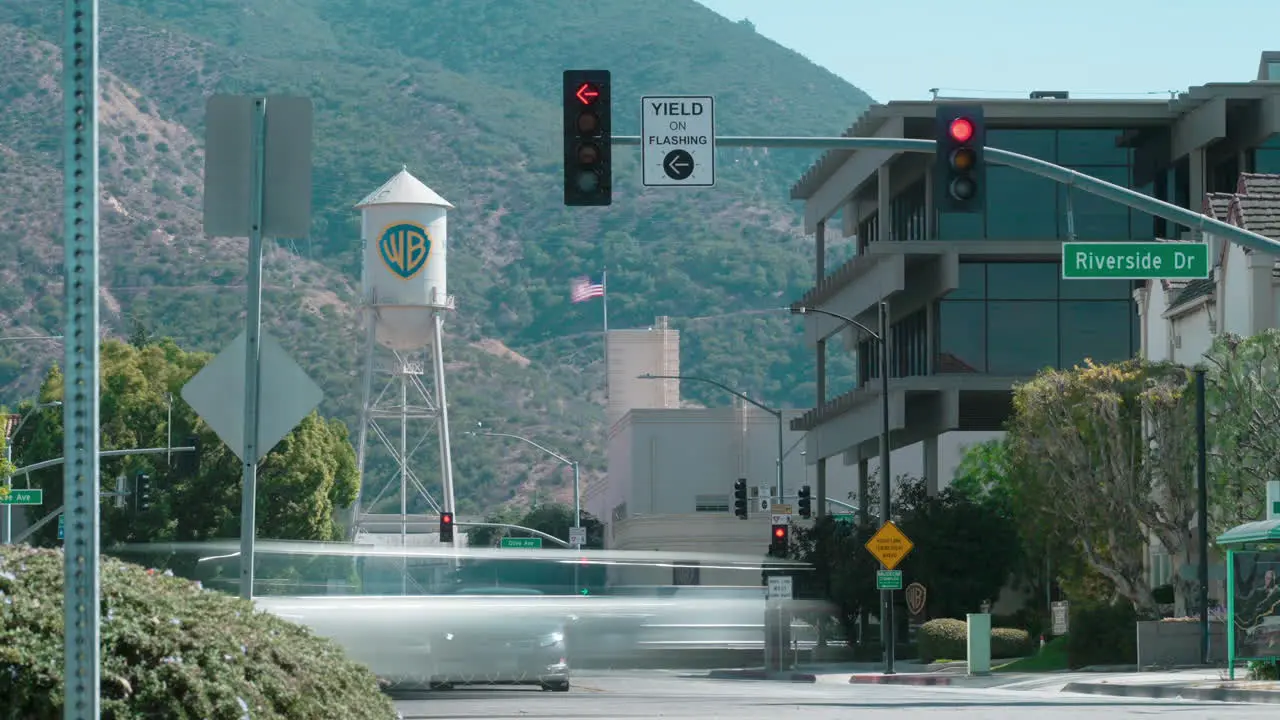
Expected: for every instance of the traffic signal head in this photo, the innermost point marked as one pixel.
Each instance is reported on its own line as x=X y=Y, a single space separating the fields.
x=446 y=527
x=740 y=498
x=142 y=492
x=779 y=541
x=806 y=502
x=189 y=462
x=588 y=127
x=959 y=169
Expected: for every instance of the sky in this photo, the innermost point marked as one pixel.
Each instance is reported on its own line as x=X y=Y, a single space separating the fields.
x=900 y=49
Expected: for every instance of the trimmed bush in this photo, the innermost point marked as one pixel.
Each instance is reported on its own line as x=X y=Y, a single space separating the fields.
x=1009 y=643
x=171 y=649
x=945 y=638
x=1102 y=635
x=948 y=639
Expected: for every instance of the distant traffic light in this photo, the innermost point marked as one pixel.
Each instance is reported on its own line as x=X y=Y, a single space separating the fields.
x=588 y=127
x=959 y=168
x=740 y=498
x=446 y=527
x=806 y=502
x=779 y=541
x=142 y=492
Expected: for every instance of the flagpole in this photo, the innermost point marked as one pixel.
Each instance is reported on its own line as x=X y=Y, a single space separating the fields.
x=604 y=302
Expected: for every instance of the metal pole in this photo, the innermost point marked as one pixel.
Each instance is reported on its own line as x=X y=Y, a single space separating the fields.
x=252 y=354
x=404 y=473
x=886 y=596
x=366 y=398
x=6 y=537
x=781 y=489
x=1202 y=492
x=446 y=455
x=577 y=522
x=81 y=590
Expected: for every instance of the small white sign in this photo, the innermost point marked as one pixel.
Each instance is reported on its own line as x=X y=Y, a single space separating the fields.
x=578 y=536
x=781 y=519
x=678 y=140
x=780 y=588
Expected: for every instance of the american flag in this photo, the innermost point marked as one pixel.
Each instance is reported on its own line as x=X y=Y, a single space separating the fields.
x=581 y=289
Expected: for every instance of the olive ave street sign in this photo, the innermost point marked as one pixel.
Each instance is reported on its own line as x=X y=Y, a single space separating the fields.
x=520 y=542
x=1135 y=261
x=678 y=141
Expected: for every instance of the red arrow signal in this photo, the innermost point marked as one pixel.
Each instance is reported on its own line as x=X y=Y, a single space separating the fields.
x=587 y=93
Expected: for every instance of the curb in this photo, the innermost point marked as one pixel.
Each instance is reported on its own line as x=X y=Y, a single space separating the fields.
x=1175 y=692
x=910 y=679
x=795 y=677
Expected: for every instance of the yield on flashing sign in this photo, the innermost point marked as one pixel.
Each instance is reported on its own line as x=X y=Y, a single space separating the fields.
x=678 y=140
x=1135 y=261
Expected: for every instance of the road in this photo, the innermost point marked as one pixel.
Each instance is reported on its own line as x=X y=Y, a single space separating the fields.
x=677 y=696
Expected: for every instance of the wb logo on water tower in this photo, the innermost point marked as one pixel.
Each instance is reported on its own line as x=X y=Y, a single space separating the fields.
x=405 y=247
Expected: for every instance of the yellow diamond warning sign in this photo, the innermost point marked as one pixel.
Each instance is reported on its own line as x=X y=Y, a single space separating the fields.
x=889 y=545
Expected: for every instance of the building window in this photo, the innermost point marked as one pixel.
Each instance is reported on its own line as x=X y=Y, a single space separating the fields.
x=1091 y=147
x=962 y=337
x=1022 y=336
x=1273 y=71
x=1097 y=330
x=1036 y=143
x=711 y=503
x=1028 y=205
x=1095 y=218
x=908 y=349
x=1023 y=280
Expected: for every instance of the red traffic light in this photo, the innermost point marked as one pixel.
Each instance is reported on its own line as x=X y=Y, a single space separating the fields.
x=446 y=518
x=961 y=129
x=587 y=93
x=779 y=532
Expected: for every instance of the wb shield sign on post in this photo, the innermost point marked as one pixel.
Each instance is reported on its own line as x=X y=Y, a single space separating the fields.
x=405 y=248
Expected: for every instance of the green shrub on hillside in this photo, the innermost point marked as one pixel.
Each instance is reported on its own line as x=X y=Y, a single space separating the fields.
x=171 y=649
x=948 y=639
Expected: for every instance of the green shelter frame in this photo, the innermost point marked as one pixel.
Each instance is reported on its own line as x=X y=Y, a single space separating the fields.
x=1259 y=537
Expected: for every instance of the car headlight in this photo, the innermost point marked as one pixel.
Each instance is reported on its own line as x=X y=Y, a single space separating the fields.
x=554 y=638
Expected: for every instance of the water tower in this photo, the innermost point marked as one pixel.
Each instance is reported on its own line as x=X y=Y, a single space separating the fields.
x=404 y=245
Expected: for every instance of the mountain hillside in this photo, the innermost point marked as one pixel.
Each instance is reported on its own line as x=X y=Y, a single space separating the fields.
x=466 y=94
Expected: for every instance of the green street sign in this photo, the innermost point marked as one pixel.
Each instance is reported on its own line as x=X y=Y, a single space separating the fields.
x=62 y=527
x=888 y=579
x=520 y=542
x=17 y=496
x=845 y=518
x=1135 y=261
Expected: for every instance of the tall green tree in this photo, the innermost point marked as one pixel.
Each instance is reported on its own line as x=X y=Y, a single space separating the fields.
x=309 y=475
x=1110 y=449
x=1243 y=405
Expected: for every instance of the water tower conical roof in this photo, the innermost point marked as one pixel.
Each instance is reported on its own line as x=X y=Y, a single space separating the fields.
x=404 y=189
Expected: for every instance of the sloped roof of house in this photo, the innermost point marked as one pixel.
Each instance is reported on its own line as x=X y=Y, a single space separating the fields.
x=1255 y=205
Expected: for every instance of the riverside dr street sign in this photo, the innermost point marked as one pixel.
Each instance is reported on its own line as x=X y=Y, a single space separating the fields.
x=1135 y=261
x=678 y=141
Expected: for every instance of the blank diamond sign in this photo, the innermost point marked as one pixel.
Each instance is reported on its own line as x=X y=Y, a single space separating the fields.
x=286 y=396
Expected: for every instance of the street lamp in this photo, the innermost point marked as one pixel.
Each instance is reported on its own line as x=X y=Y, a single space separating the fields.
x=7 y=537
x=882 y=338
x=776 y=413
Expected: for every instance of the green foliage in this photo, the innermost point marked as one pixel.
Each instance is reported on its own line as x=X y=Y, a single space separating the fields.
x=552 y=577
x=466 y=93
x=948 y=639
x=1102 y=634
x=302 y=482
x=1242 y=417
x=843 y=571
x=965 y=548
x=1264 y=670
x=944 y=638
x=1109 y=450
x=171 y=649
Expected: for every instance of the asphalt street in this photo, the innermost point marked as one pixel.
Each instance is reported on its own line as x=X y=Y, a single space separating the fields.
x=677 y=696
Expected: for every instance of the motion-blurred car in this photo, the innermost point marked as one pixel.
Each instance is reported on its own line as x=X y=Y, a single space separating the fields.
x=471 y=636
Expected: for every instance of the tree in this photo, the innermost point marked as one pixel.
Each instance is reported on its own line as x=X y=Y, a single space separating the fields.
x=1110 y=448
x=554 y=519
x=964 y=551
x=1243 y=413
x=843 y=571
x=310 y=474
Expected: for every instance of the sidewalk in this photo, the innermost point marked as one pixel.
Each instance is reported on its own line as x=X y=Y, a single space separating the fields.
x=1200 y=685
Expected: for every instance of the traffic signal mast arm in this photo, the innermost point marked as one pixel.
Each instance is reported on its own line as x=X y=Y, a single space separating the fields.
x=1035 y=166
x=104 y=454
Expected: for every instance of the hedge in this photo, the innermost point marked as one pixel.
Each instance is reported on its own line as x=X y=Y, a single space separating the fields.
x=1102 y=635
x=948 y=638
x=171 y=649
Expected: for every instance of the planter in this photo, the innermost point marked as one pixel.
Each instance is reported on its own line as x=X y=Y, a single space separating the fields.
x=1177 y=644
